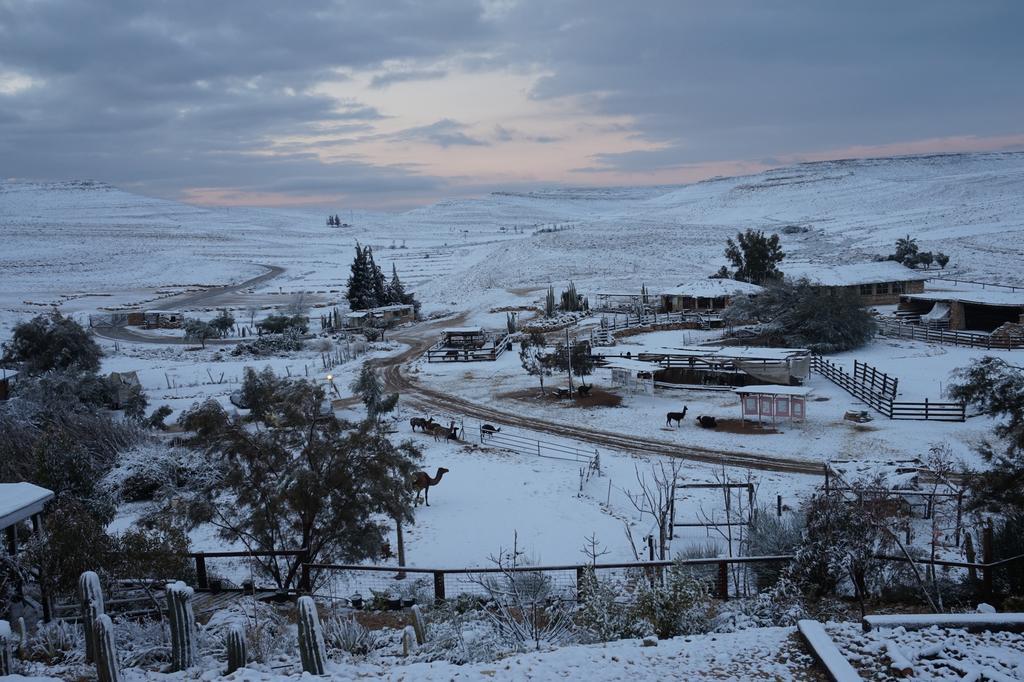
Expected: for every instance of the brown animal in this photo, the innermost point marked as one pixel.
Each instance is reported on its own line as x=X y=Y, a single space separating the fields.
x=421 y=482
x=447 y=432
x=706 y=422
x=424 y=424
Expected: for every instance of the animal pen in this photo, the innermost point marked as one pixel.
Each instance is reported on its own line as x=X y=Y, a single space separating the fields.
x=468 y=344
x=720 y=366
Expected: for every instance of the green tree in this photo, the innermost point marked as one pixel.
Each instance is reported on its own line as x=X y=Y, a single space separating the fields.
x=800 y=314
x=534 y=359
x=906 y=251
x=941 y=259
x=360 y=294
x=52 y=342
x=198 y=330
x=223 y=323
x=755 y=256
x=309 y=480
x=996 y=388
x=368 y=387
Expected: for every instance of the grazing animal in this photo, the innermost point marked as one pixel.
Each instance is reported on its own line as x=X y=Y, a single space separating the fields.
x=489 y=430
x=424 y=424
x=706 y=422
x=447 y=432
x=421 y=482
x=453 y=354
x=584 y=391
x=675 y=417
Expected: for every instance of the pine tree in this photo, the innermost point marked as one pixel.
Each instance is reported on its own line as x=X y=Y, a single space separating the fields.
x=396 y=290
x=378 y=285
x=360 y=293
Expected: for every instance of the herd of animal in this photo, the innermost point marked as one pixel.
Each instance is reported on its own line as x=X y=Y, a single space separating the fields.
x=439 y=431
x=703 y=421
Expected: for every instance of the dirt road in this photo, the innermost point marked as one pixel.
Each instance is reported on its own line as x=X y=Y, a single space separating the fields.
x=207 y=298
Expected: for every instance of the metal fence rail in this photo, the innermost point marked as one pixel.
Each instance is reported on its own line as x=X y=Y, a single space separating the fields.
x=526 y=445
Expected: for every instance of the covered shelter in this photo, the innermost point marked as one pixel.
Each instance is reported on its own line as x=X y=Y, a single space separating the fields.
x=725 y=366
x=983 y=310
x=463 y=337
x=875 y=283
x=382 y=316
x=636 y=376
x=20 y=502
x=163 y=319
x=468 y=344
x=768 y=402
x=705 y=295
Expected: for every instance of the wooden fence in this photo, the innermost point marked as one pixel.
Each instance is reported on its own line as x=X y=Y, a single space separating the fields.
x=439 y=352
x=917 y=332
x=652 y=319
x=877 y=391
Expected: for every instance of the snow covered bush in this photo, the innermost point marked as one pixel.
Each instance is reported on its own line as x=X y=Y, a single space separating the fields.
x=152 y=466
x=679 y=605
x=57 y=643
x=345 y=633
x=603 y=615
x=287 y=341
x=771 y=535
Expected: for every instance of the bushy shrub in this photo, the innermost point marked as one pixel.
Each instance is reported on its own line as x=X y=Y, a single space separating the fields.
x=288 y=341
x=678 y=606
x=345 y=633
x=52 y=342
x=57 y=643
x=771 y=535
x=278 y=324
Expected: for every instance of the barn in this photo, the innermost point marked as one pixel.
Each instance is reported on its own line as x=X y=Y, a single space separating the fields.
x=964 y=309
x=875 y=283
x=704 y=295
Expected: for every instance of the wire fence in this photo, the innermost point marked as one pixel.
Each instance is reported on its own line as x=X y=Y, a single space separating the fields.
x=528 y=445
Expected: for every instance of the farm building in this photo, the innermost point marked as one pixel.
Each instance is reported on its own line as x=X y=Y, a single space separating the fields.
x=6 y=380
x=704 y=294
x=982 y=310
x=608 y=302
x=384 y=316
x=160 y=319
x=707 y=366
x=876 y=283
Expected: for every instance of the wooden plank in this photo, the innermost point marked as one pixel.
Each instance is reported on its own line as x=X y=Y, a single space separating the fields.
x=972 y=622
x=826 y=652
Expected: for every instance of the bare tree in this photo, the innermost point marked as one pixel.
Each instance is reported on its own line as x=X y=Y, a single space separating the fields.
x=657 y=497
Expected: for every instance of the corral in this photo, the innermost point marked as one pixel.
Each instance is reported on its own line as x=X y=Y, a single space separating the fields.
x=468 y=344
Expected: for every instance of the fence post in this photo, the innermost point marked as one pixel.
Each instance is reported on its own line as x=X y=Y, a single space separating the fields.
x=778 y=505
x=201 y=580
x=722 y=583
x=926 y=409
x=986 y=559
x=438 y=586
x=579 y=583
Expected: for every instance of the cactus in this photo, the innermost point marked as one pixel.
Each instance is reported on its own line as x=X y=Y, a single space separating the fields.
x=237 y=650
x=91 y=596
x=6 y=638
x=419 y=624
x=183 y=626
x=408 y=640
x=311 y=637
x=107 y=669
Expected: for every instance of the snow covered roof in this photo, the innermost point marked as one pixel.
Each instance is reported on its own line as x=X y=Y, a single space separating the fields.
x=361 y=313
x=771 y=389
x=463 y=330
x=20 y=501
x=853 y=273
x=633 y=365
x=725 y=352
x=981 y=297
x=712 y=288
x=163 y=312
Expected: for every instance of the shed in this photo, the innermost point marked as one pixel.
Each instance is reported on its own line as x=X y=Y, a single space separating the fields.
x=705 y=294
x=636 y=376
x=463 y=337
x=382 y=316
x=20 y=502
x=875 y=283
x=163 y=319
x=768 y=401
x=964 y=308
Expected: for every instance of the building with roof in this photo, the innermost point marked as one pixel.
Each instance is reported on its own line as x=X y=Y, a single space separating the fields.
x=705 y=294
x=967 y=308
x=875 y=283
x=383 y=316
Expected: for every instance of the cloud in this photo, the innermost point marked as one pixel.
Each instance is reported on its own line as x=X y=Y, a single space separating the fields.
x=256 y=96
x=443 y=133
x=383 y=80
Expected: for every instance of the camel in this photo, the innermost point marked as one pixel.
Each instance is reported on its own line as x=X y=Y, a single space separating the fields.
x=675 y=417
x=706 y=422
x=421 y=482
x=424 y=424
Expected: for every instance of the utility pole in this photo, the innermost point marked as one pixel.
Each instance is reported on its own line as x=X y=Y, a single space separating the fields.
x=568 y=350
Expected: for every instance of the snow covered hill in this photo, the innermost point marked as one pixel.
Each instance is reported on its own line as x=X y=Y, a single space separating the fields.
x=65 y=239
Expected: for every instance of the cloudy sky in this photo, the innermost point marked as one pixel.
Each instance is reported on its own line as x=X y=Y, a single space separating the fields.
x=396 y=103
